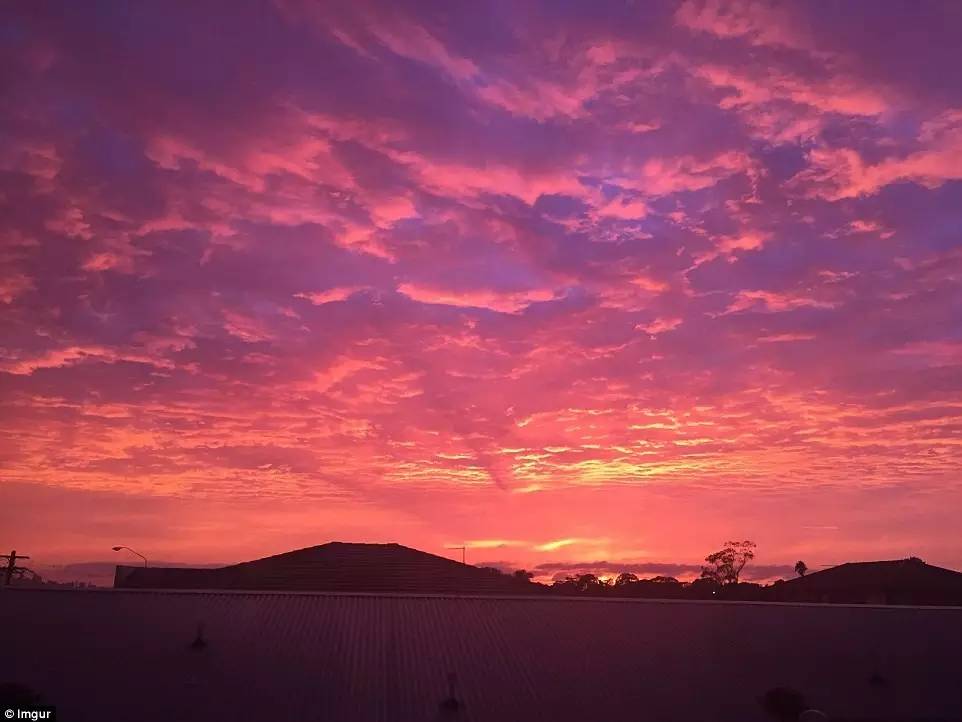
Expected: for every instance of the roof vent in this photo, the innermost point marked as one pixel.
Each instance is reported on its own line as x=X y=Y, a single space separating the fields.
x=451 y=704
x=877 y=681
x=199 y=643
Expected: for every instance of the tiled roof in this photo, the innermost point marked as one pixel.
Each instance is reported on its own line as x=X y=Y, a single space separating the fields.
x=119 y=656
x=336 y=566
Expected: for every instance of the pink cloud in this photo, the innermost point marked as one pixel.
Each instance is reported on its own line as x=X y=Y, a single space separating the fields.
x=842 y=95
x=538 y=99
x=837 y=173
x=469 y=181
x=772 y=302
x=624 y=209
x=641 y=261
x=501 y=301
x=341 y=369
x=664 y=176
x=70 y=222
x=331 y=295
x=12 y=286
x=660 y=325
x=301 y=154
x=787 y=337
x=760 y=23
x=245 y=327
x=72 y=355
x=869 y=226
x=939 y=353
x=38 y=159
x=415 y=42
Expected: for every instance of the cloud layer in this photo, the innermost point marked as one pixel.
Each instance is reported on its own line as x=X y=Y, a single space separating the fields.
x=485 y=275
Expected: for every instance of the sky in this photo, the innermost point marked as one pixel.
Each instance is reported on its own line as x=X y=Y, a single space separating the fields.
x=574 y=285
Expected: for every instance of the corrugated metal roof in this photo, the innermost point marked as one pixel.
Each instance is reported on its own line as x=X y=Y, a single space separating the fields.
x=127 y=655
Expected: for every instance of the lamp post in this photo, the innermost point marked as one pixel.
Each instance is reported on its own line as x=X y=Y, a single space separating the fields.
x=117 y=549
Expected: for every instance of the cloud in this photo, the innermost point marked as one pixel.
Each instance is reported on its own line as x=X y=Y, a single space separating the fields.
x=415 y=42
x=491 y=543
x=72 y=355
x=331 y=295
x=760 y=23
x=500 y=301
x=505 y=276
x=14 y=285
x=555 y=545
x=839 y=173
x=667 y=175
x=341 y=369
x=621 y=208
x=773 y=302
x=660 y=325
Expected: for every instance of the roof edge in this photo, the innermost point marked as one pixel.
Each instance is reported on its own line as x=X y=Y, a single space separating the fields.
x=470 y=597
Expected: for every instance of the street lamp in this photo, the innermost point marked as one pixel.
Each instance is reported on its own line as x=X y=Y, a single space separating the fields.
x=117 y=549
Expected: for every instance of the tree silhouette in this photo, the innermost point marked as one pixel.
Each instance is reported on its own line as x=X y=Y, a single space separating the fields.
x=725 y=565
x=626 y=578
x=664 y=580
x=582 y=584
x=705 y=587
x=587 y=582
x=801 y=568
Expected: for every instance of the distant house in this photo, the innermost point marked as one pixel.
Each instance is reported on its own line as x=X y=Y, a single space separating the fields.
x=334 y=567
x=901 y=581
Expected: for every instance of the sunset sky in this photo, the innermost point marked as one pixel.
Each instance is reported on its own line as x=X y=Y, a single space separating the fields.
x=565 y=282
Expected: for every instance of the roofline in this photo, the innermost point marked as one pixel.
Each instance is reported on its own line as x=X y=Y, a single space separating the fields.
x=914 y=560
x=881 y=563
x=480 y=597
x=342 y=543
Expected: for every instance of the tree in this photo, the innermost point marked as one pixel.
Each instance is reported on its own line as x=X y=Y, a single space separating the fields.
x=522 y=575
x=589 y=583
x=625 y=578
x=725 y=565
x=801 y=568
x=702 y=588
x=567 y=585
x=664 y=580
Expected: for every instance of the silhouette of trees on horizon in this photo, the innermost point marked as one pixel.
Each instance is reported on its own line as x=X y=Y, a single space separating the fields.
x=720 y=579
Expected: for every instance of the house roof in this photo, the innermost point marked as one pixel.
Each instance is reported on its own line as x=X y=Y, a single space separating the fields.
x=909 y=575
x=117 y=655
x=337 y=566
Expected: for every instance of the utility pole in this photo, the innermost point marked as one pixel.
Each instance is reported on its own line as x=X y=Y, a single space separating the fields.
x=12 y=567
